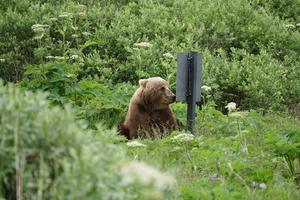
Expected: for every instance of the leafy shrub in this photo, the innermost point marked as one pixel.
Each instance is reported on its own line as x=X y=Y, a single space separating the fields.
x=240 y=51
x=286 y=143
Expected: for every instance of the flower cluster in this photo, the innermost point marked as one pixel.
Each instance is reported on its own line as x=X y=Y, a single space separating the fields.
x=59 y=58
x=135 y=143
x=145 y=175
x=65 y=15
x=183 y=137
x=205 y=88
x=143 y=44
x=231 y=106
x=168 y=55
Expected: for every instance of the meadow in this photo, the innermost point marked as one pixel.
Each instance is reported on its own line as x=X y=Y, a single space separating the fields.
x=69 y=69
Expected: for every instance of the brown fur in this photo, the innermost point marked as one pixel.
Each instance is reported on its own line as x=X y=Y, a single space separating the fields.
x=149 y=110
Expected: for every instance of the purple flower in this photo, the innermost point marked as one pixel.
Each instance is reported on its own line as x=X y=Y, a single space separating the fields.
x=213 y=177
x=262 y=186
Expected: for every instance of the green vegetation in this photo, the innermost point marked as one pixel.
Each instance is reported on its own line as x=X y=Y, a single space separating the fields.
x=75 y=65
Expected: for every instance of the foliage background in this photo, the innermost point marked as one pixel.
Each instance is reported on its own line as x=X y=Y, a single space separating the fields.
x=86 y=55
x=252 y=59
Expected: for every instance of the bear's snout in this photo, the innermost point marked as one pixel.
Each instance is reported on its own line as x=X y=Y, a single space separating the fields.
x=172 y=97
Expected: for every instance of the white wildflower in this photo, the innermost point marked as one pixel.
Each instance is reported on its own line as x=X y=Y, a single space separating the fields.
x=49 y=57
x=86 y=33
x=262 y=186
x=136 y=172
x=74 y=57
x=135 y=143
x=183 y=137
x=245 y=132
x=244 y=150
x=39 y=28
x=291 y=26
x=65 y=15
x=205 y=88
x=2 y=60
x=143 y=44
x=36 y=26
x=53 y=19
x=168 y=55
x=231 y=106
x=81 y=14
x=75 y=36
x=59 y=57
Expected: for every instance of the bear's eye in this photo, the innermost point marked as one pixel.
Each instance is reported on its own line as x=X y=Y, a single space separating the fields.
x=162 y=88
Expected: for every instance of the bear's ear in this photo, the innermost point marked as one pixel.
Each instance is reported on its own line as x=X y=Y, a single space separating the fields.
x=143 y=82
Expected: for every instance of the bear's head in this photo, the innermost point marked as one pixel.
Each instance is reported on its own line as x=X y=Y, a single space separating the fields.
x=155 y=93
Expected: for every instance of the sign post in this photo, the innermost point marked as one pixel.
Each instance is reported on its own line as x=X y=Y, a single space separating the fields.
x=188 y=84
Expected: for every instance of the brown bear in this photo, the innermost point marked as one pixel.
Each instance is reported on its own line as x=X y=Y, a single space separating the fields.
x=149 y=111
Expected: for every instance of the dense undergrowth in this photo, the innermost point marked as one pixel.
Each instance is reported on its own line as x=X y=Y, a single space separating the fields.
x=75 y=65
x=251 y=59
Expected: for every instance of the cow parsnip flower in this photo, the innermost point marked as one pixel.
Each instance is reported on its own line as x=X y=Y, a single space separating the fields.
x=183 y=137
x=205 y=88
x=143 y=44
x=231 y=106
x=135 y=143
x=146 y=175
x=168 y=55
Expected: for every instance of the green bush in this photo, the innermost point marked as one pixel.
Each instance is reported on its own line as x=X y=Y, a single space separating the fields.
x=248 y=51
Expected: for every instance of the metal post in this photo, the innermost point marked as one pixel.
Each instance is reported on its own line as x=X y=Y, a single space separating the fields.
x=191 y=98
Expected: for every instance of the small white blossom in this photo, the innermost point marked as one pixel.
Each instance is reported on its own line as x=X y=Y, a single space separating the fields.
x=81 y=14
x=231 y=106
x=138 y=172
x=59 y=57
x=2 y=60
x=39 y=28
x=183 y=137
x=75 y=36
x=244 y=150
x=168 y=55
x=74 y=57
x=262 y=186
x=86 y=33
x=53 y=19
x=291 y=26
x=65 y=15
x=49 y=57
x=135 y=143
x=206 y=88
x=143 y=44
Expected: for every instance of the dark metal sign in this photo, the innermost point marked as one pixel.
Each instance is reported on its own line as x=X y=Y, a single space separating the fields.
x=188 y=83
